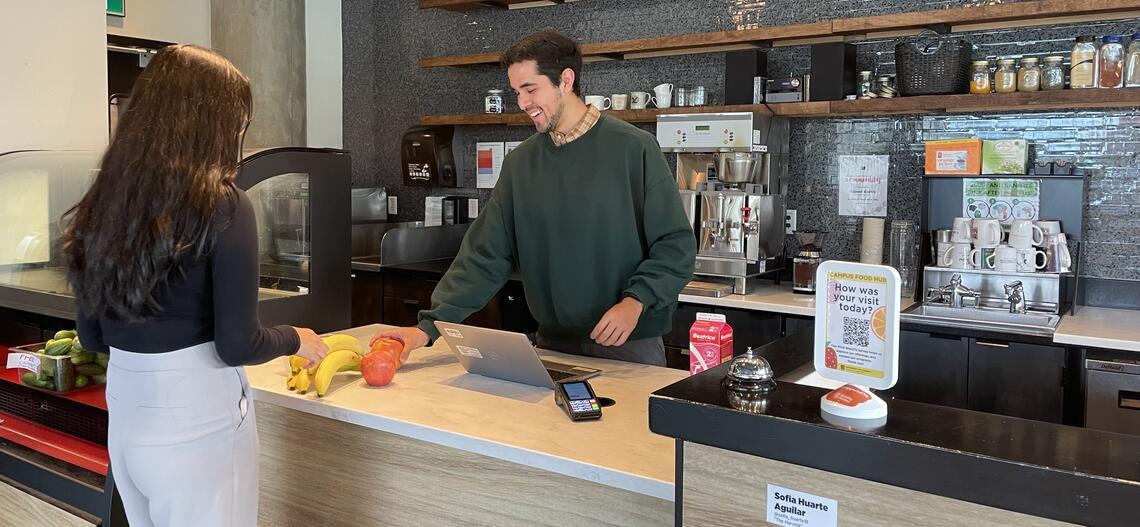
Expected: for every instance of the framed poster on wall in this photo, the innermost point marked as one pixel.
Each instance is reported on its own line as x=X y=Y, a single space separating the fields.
x=117 y=7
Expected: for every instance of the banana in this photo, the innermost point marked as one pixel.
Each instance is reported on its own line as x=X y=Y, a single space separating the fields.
x=292 y=382
x=303 y=380
x=296 y=363
x=330 y=366
x=341 y=341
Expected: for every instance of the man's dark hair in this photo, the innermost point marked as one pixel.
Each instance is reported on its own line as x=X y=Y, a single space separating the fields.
x=554 y=52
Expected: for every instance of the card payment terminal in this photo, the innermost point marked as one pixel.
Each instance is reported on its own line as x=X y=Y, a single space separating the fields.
x=577 y=399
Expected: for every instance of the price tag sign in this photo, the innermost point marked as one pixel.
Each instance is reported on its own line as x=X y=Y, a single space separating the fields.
x=24 y=361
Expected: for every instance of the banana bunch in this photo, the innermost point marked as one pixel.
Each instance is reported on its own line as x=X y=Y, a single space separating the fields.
x=344 y=354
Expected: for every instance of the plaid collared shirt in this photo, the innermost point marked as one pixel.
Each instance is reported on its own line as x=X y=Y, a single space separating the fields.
x=588 y=121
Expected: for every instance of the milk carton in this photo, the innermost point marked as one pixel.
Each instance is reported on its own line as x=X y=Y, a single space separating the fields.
x=710 y=342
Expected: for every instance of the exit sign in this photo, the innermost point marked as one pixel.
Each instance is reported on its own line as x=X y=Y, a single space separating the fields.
x=117 y=7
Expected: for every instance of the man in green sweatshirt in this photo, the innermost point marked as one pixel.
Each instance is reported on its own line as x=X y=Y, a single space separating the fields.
x=589 y=213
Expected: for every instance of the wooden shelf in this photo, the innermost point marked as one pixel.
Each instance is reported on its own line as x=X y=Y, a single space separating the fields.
x=467 y=5
x=965 y=103
x=1021 y=14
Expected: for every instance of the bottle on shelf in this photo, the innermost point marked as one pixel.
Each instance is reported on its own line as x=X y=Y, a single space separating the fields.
x=1110 y=67
x=1083 y=63
x=1132 y=63
x=1005 y=78
x=1053 y=73
x=980 y=77
x=1029 y=75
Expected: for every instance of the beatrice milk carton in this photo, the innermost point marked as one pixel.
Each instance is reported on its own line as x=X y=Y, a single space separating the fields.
x=710 y=342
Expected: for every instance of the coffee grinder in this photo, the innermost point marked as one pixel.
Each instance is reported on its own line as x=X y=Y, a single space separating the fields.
x=807 y=260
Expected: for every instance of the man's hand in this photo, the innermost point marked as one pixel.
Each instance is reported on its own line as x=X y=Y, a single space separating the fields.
x=616 y=325
x=412 y=338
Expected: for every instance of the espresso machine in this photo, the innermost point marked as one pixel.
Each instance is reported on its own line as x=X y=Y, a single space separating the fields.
x=731 y=169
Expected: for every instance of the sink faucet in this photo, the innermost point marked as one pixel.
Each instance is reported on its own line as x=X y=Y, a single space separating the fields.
x=954 y=292
x=1015 y=294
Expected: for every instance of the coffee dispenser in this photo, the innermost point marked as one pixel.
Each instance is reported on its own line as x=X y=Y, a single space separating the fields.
x=428 y=158
x=735 y=164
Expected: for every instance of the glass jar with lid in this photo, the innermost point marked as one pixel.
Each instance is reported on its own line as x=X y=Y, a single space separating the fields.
x=980 y=77
x=1053 y=73
x=1132 y=63
x=1029 y=75
x=1110 y=66
x=1083 y=61
x=1005 y=78
x=493 y=102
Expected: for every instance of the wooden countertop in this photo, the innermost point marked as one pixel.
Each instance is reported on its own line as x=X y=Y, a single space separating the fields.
x=1100 y=327
x=433 y=399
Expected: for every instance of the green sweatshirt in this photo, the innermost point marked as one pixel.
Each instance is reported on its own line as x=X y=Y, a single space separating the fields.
x=585 y=223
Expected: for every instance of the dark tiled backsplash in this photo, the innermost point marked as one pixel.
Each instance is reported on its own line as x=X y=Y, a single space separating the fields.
x=386 y=92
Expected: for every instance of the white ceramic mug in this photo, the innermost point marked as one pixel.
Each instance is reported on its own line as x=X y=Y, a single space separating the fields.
x=944 y=248
x=619 y=101
x=639 y=100
x=958 y=257
x=598 y=101
x=962 y=231
x=663 y=95
x=982 y=257
x=1005 y=258
x=1030 y=260
x=1049 y=226
x=987 y=233
x=1026 y=234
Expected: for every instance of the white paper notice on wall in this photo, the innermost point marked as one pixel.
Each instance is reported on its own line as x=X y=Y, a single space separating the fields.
x=863 y=185
x=792 y=508
x=511 y=145
x=488 y=163
x=472 y=208
x=433 y=211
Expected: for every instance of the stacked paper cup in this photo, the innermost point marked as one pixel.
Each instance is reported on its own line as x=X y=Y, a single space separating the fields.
x=872 y=250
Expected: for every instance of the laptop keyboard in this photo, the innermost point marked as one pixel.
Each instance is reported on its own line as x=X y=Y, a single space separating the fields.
x=559 y=375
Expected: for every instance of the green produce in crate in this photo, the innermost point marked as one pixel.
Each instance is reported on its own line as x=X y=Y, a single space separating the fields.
x=58 y=347
x=82 y=357
x=65 y=334
x=99 y=379
x=76 y=346
x=81 y=381
x=30 y=379
x=102 y=359
x=47 y=369
x=90 y=369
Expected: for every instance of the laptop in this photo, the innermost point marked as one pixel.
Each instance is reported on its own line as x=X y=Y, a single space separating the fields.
x=506 y=355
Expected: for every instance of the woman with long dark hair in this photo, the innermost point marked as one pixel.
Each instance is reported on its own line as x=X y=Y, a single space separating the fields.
x=162 y=257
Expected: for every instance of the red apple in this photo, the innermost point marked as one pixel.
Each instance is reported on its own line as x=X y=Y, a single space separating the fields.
x=378 y=368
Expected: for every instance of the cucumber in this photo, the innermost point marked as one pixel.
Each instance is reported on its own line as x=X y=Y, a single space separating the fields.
x=83 y=357
x=81 y=381
x=76 y=346
x=58 y=347
x=30 y=379
x=99 y=379
x=102 y=359
x=65 y=334
x=90 y=369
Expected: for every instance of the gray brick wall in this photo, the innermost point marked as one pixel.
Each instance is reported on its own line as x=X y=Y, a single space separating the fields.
x=386 y=92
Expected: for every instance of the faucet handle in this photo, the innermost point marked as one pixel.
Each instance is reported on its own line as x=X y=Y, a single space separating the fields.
x=1015 y=285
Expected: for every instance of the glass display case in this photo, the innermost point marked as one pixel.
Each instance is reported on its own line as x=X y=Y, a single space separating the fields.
x=301 y=199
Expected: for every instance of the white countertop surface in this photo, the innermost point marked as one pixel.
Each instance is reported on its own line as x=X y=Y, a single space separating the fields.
x=433 y=399
x=1100 y=327
x=766 y=297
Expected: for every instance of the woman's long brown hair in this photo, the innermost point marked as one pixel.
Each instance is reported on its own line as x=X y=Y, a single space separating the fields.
x=164 y=184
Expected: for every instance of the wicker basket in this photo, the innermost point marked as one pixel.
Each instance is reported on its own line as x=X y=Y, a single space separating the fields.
x=933 y=65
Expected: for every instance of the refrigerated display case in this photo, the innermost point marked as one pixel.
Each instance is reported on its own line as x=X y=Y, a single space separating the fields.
x=54 y=444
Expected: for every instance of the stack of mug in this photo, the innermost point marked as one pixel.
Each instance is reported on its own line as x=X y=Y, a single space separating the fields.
x=978 y=244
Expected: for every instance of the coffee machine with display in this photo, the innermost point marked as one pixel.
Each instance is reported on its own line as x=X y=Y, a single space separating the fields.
x=732 y=167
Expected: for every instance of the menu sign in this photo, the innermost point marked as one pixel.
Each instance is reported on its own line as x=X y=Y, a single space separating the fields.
x=857 y=313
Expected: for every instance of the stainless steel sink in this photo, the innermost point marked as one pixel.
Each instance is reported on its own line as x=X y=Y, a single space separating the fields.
x=983 y=318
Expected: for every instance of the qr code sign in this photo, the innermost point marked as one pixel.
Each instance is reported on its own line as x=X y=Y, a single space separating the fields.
x=856 y=331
